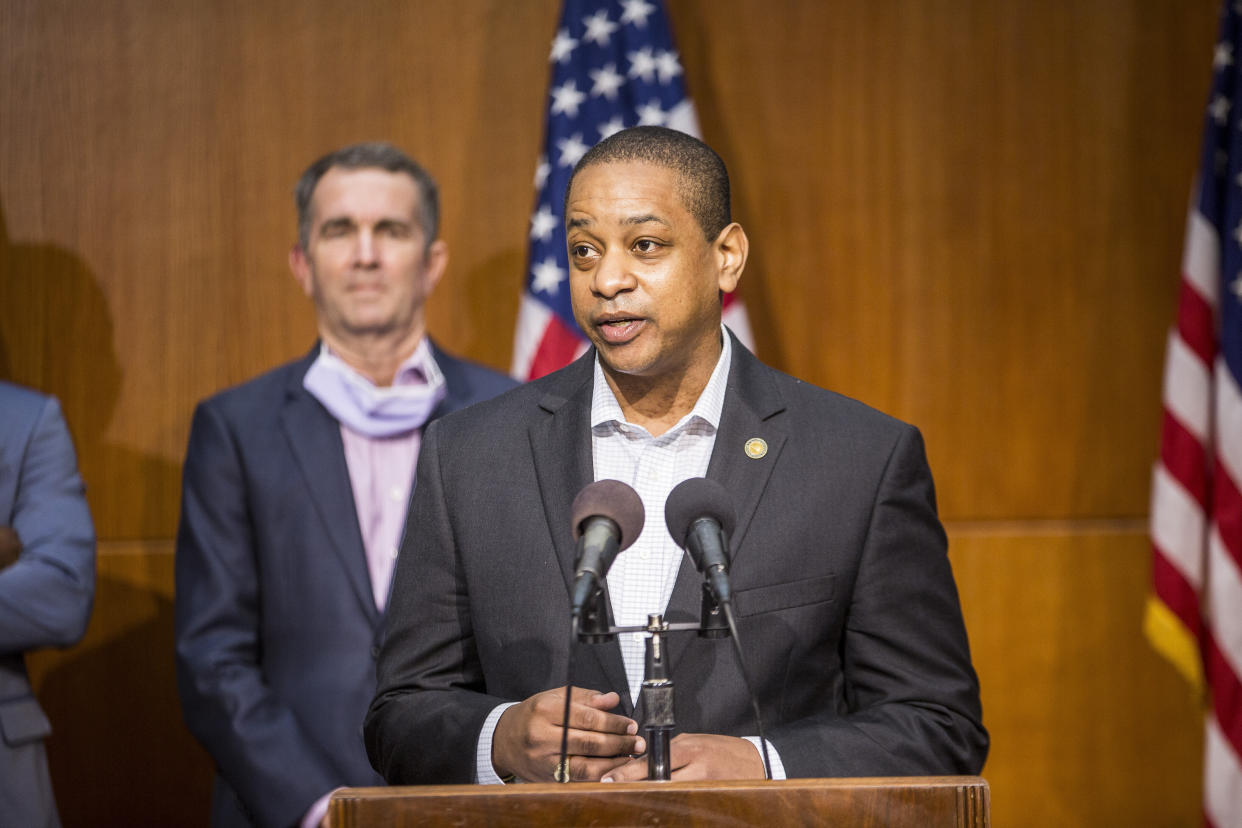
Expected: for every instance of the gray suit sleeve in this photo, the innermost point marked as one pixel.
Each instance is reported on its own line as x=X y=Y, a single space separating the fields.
x=911 y=694
x=46 y=596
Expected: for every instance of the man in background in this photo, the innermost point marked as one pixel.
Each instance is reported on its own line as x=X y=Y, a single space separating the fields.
x=294 y=498
x=844 y=596
x=47 y=585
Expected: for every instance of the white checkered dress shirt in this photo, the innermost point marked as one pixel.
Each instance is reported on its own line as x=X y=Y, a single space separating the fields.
x=642 y=577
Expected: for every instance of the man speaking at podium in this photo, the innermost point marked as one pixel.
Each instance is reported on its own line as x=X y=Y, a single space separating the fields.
x=846 y=606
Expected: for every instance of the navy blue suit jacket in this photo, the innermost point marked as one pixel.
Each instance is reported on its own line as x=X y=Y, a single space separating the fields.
x=276 y=626
x=46 y=596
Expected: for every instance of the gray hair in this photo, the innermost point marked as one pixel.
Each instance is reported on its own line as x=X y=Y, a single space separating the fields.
x=369 y=155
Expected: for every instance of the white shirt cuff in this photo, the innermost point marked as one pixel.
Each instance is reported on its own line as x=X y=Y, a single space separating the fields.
x=484 y=773
x=778 y=767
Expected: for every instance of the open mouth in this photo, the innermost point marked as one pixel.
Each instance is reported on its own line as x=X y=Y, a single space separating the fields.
x=620 y=330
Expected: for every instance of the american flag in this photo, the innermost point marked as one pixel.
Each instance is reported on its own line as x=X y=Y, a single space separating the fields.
x=613 y=66
x=1195 y=614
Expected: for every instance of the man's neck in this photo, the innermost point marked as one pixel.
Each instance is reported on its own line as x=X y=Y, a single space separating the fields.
x=375 y=357
x=658 y=403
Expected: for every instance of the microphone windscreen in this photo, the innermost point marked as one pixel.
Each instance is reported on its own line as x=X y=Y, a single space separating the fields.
x=614 y=500
x=695 y=498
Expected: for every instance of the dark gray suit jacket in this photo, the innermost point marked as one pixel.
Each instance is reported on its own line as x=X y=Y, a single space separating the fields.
x=276 y=625
x=46 y=596
x=847 y=608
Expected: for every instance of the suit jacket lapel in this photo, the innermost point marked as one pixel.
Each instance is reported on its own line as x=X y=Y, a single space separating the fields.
x=315 y=441
x=561 y=449
x=751 y=410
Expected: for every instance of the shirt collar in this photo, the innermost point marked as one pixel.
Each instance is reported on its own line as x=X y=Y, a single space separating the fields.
x=419 y=368
x=606 y=409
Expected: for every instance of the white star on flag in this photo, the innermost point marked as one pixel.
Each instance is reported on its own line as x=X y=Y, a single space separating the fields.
x=607 y=81
x=1223 y=56
x=636 y=12
x=566 y=99
x=599 y=28
x=541 y=172
x=611 y=127
x=1220 y=109
x=668 y=66
x=548 y=276
x=571 y=149
x=562 y=47
x=642 y=64
x=542 y=224
x=651 y=114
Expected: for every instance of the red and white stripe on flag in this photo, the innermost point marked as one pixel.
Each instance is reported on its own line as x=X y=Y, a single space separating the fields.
x=1194 y=616
x=614 y=66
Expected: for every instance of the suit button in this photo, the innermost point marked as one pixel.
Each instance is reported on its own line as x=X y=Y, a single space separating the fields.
x=375 y=652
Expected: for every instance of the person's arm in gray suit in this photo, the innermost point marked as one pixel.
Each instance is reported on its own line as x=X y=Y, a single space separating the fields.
x=47 y=593
x=911 y=693
x=257 y=742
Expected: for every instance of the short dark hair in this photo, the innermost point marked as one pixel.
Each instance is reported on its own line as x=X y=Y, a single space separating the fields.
x=705 y=179
x=369 y=155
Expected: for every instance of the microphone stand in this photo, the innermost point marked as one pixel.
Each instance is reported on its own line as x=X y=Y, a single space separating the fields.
x=657 y=698
x=657 y=687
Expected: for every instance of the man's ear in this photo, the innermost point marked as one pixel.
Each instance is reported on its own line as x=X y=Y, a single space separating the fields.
x=437 y=262
x=300 y=265
x=731 y=248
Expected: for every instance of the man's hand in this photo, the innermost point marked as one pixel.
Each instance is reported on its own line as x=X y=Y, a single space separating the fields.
x=10 y=546
x=527 y=741
x=699 y=756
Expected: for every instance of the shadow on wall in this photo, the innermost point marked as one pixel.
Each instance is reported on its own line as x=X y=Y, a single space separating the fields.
x=56 y=336
x=119 y=752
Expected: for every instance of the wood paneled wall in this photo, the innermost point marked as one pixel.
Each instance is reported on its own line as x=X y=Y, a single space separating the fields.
x=965 y=212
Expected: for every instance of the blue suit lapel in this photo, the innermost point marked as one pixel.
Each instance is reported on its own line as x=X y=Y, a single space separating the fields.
x=561 y=451
x=315 y=441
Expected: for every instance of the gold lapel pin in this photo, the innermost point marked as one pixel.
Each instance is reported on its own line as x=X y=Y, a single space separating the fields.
x=756 y=447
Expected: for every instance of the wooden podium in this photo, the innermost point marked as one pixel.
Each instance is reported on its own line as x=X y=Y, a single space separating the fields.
x=897 y=802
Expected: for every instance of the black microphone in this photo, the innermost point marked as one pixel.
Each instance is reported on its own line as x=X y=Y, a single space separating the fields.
x=700 y=517
x=607 y=517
